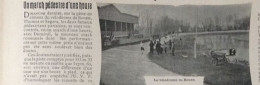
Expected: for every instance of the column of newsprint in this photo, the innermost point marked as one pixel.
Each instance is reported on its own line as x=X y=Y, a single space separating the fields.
x=60 y=43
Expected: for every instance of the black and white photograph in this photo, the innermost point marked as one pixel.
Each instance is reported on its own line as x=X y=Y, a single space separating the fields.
x=141 y=40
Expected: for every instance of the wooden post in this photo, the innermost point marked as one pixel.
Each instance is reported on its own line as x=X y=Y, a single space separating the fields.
x=115 y=25
x=105 y=27
x=195 y=41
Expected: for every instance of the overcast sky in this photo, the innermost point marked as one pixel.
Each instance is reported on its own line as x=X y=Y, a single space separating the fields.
x=186 y=12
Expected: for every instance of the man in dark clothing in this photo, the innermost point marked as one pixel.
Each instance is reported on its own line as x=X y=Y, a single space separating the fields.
x=158 y=47
x=165 y=47
x=151 y=46
x=173 y=49
x=170 y=44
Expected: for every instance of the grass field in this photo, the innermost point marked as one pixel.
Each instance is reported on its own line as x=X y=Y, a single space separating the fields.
x=227 y=74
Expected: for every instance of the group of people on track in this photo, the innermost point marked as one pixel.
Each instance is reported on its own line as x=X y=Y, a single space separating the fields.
x=160 y=46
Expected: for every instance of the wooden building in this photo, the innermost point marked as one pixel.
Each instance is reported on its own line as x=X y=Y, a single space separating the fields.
x=114 y=23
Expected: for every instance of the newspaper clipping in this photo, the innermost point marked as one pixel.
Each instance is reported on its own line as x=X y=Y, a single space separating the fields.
x=131 y=42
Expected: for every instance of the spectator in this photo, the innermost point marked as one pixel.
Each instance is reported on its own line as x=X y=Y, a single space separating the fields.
x=170 y=44
x=151 y=46
x=158 y=47
x=173 y=49
x=142 y=47
x=165 y=47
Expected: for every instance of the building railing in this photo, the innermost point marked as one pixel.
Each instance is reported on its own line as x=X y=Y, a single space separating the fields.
x=117 y=33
